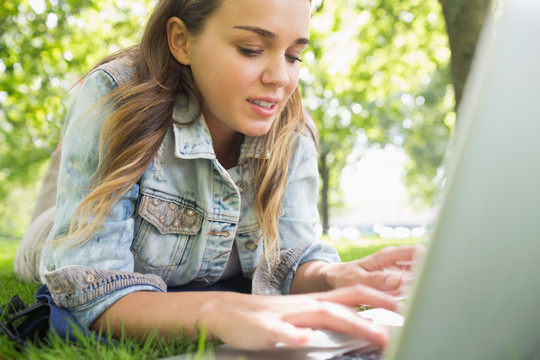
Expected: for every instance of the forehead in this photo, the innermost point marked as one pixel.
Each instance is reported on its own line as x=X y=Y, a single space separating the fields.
x=285 y=18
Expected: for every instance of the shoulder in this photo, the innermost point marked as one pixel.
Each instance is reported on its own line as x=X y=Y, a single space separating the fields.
x=121 y=70
x=89 y=103
x=105 y=78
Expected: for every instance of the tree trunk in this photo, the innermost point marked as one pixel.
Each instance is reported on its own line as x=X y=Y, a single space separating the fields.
x=324 y=171
x=464 y=20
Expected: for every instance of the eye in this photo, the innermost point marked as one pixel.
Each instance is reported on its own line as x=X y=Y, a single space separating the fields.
x=249 y=52
x=293 y=59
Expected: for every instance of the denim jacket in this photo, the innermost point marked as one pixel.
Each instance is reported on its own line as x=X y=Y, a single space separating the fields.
x=177 y=225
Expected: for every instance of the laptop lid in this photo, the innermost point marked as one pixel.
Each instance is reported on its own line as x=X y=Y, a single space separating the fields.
x=478 y=292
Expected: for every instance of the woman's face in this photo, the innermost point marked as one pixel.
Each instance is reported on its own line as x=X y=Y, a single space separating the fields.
x=246 y=64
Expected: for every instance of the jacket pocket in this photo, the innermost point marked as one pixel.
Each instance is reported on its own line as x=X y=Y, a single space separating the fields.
x=164 y=231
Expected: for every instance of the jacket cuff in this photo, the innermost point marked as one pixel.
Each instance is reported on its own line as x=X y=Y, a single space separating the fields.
x=74 y=286
x=276 y=278
x=271 y=276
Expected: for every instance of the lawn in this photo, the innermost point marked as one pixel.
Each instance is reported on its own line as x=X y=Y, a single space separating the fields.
x=151 y=349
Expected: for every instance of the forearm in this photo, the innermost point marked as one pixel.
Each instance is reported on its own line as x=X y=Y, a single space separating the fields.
x=244 y=321
x=311 y=276
x=169 y=314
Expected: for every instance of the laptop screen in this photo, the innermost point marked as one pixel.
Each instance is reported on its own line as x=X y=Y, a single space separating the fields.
x=478 y=290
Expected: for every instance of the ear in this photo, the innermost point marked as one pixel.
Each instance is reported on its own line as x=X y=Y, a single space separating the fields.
x=178 y=40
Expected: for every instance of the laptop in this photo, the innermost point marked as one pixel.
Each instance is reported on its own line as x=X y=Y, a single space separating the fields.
x=477 y=291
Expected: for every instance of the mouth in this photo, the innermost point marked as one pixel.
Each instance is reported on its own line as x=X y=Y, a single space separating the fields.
x=264 y=104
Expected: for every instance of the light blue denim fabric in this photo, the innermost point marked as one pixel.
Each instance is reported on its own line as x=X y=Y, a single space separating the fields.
x=177 y=225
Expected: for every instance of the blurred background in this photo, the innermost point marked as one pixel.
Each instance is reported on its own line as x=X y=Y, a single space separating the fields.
x=382 y=79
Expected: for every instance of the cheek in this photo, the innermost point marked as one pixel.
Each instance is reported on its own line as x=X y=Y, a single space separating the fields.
x=293 y=81
x=232 y=73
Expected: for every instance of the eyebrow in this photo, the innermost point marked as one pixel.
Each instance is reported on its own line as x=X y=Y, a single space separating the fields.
x=268 y=34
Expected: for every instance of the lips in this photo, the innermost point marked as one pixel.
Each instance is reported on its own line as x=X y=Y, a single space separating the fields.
x=264 y=106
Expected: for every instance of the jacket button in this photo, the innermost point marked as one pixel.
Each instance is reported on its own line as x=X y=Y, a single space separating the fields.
x=155 y=202
x=176 y=223
x=89 y=279
x=242 y=186
x=173 y=206
x=251 y=245
x=190 y=212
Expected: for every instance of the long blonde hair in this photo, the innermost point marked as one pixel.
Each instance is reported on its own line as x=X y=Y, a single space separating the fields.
x=142 y=114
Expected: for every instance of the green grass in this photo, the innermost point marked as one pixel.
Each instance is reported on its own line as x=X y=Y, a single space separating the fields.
x=87 y=348
x=154 y=347
x=9 y=285
x=356 y=249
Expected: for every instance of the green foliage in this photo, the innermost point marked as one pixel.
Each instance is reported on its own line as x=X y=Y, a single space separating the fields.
x=45 y=48
x=378 y=73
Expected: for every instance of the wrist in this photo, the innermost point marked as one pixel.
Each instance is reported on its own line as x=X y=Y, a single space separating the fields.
x=208 y=316
x=328 y=274
x=313 y=276
x=218 y=310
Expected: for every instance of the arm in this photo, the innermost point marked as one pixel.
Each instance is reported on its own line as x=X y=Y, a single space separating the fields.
x=246 y=321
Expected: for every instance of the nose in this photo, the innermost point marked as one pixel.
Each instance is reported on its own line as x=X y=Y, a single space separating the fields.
x=276 y=72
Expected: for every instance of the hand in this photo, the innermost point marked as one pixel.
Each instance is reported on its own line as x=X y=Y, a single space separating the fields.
x=259 y=322
x=388 y=270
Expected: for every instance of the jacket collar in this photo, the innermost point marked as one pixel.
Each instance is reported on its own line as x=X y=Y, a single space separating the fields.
x=192 y=137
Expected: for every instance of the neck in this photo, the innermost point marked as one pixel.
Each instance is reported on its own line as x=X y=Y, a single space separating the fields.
x=227 y=142
x=228 y=150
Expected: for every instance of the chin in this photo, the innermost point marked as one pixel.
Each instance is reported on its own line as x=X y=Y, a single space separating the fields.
x=256 y=133
x=259 y=129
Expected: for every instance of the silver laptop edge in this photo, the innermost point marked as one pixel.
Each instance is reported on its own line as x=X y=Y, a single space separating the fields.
x=478 y=292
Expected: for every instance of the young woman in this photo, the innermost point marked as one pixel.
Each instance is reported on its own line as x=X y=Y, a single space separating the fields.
x=188 y=165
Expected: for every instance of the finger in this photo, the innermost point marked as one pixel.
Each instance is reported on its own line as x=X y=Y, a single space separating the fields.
x=359 y=295
x=291 y=335
x=335 y=317
x=385 y=280
x=397 y=256
x=266 y=334
x=404 y=290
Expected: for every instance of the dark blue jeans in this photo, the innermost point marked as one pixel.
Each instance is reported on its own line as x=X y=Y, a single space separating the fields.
x=61 y=321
